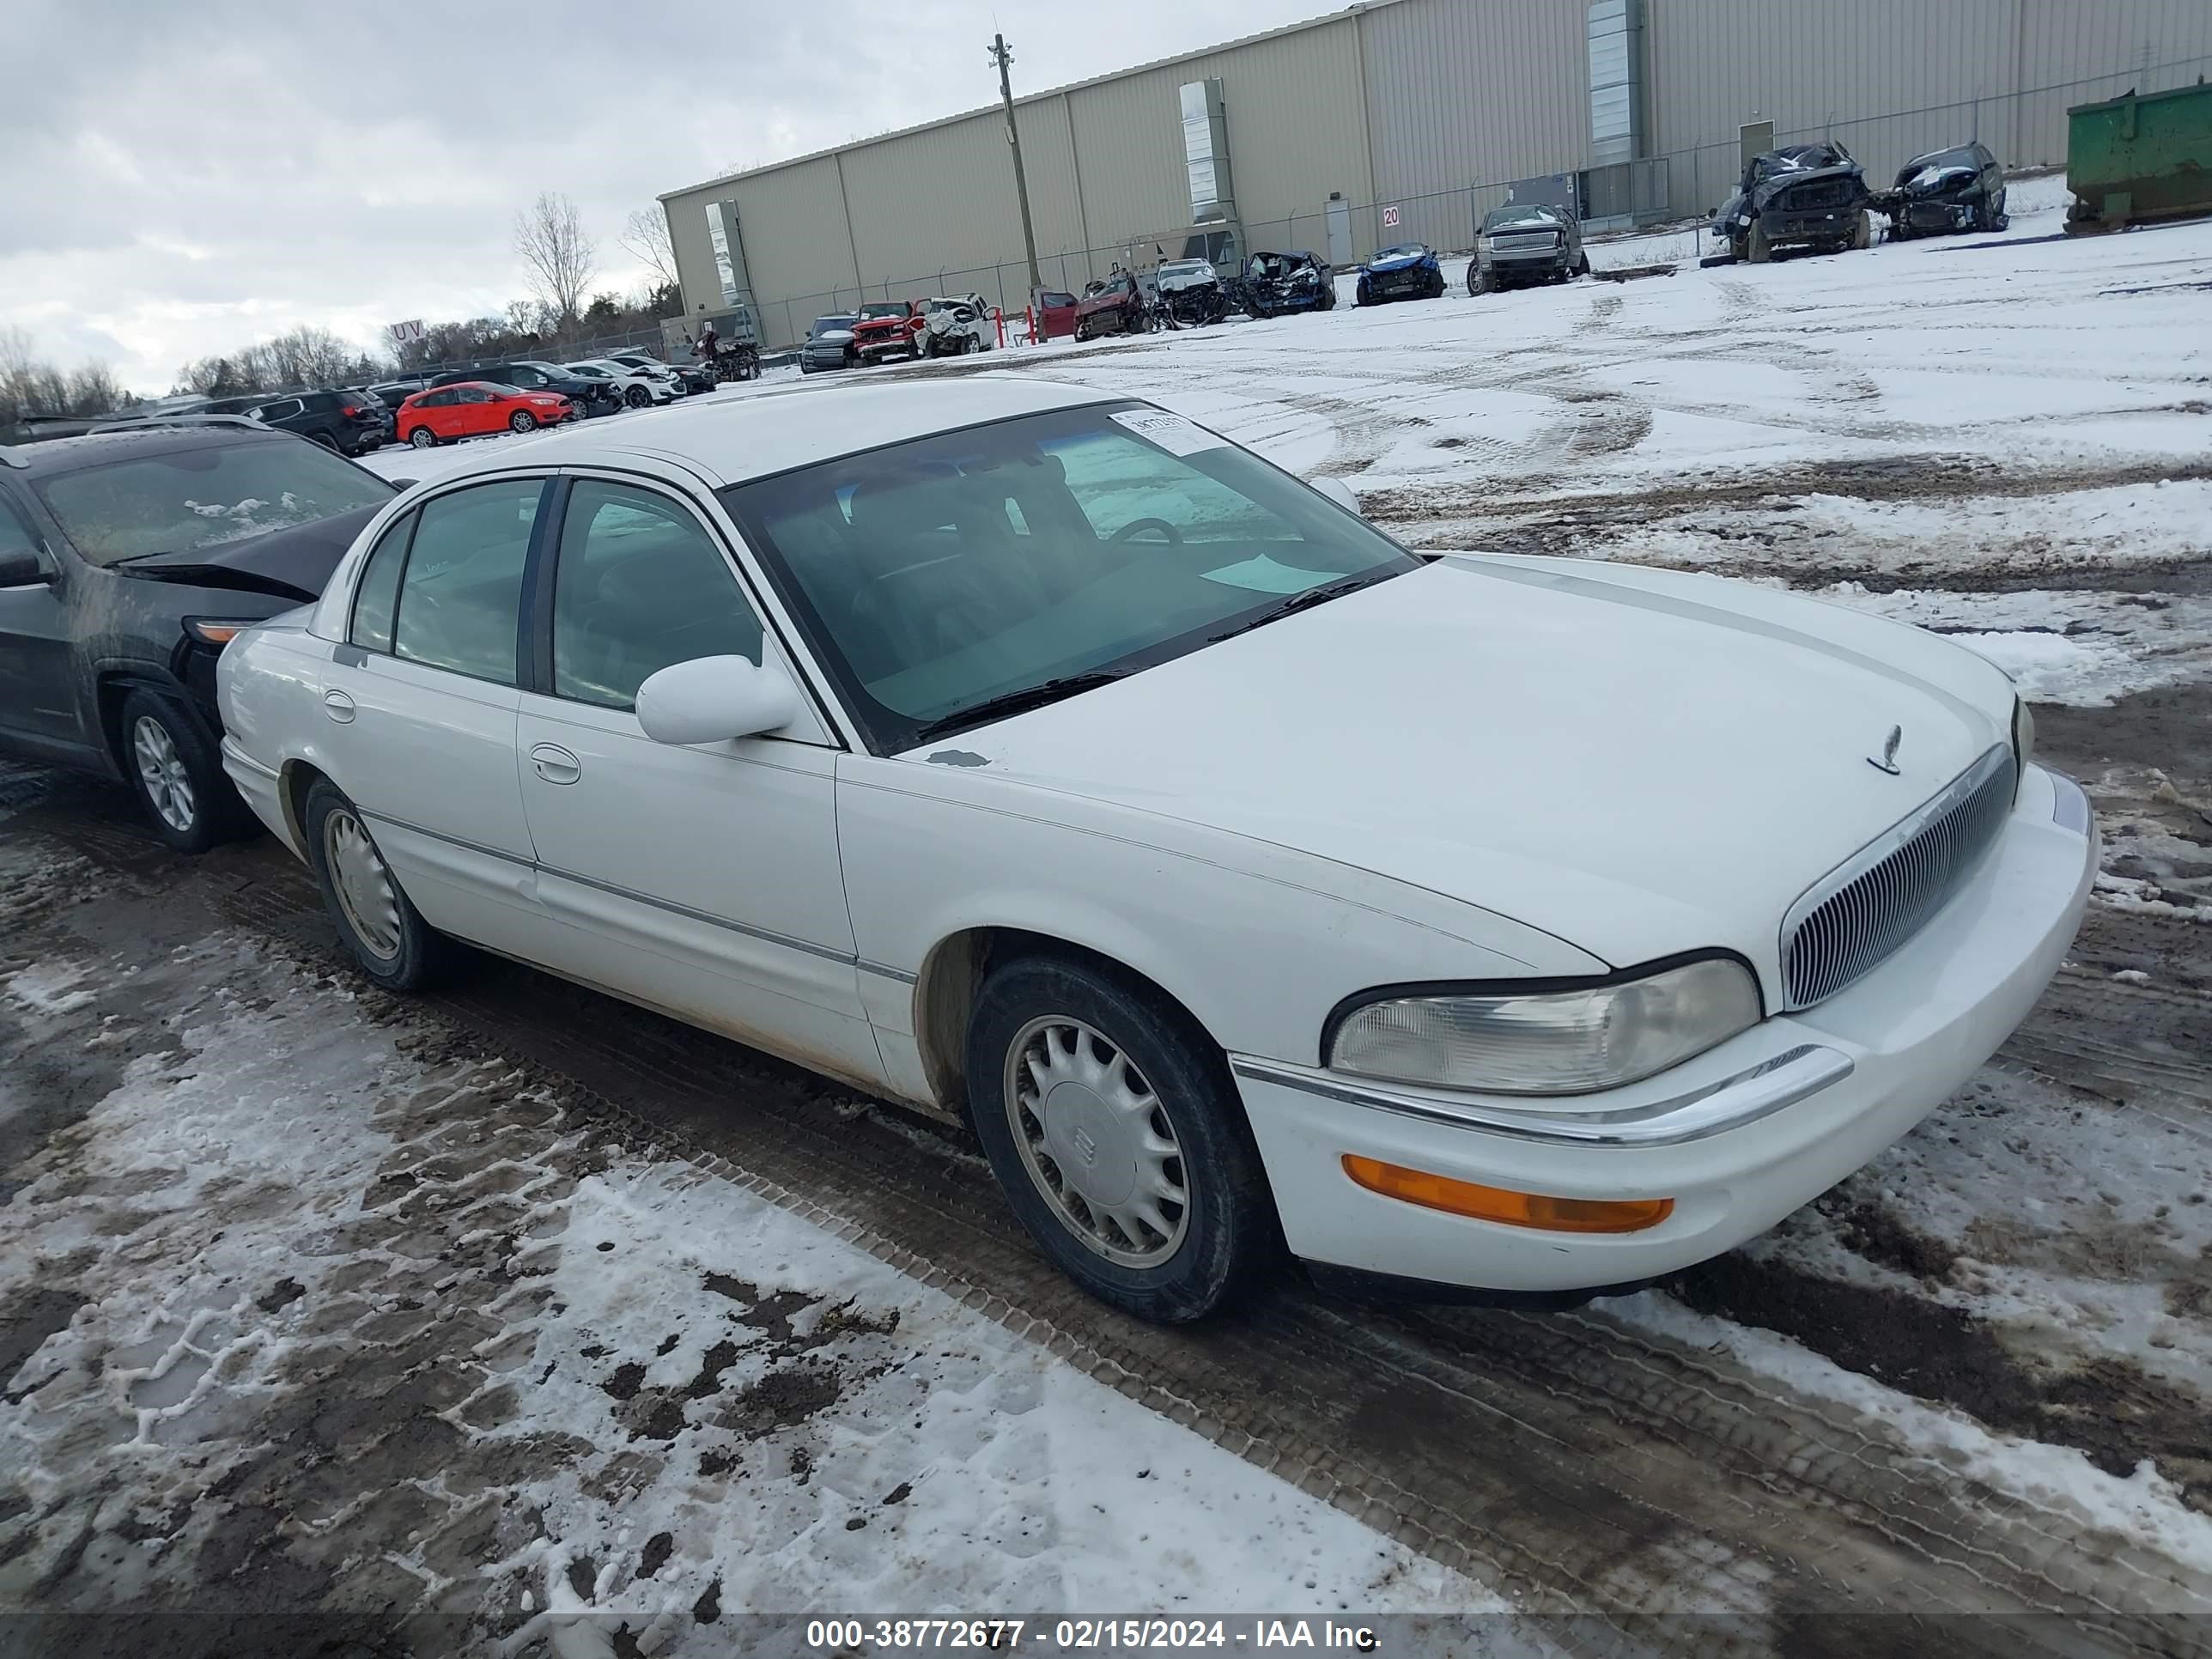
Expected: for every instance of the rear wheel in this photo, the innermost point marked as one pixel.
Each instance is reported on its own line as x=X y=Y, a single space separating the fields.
x=422 y=438
x=177 y=772
x=379 y=924
x=1115 y=1130
x=326 y=442
x=522 y=421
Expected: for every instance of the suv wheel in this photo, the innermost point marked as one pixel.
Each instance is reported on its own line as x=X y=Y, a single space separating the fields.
x=177 y=775
x=378 y=922
x=637 y=396
x=1112 y=1125
x=422 y=438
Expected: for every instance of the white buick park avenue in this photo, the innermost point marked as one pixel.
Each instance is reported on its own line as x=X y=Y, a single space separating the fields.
x=1250 y=886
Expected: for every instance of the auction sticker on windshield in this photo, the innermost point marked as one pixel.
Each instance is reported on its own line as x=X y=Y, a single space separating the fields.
x=1171 y=432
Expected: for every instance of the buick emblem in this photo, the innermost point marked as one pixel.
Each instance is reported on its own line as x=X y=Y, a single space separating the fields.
x=1888 y=760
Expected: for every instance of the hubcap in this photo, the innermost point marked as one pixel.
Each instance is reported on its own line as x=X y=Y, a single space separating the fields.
x=1096 y=1142
x=421 y=438
x=363 y=885
x=161 y=769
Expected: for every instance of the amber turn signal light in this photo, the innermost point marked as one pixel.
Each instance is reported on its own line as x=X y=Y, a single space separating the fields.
x=1559 y=1215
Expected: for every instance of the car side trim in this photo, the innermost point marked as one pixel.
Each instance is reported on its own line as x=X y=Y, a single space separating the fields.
x=827 y=952
x=1757 y=1093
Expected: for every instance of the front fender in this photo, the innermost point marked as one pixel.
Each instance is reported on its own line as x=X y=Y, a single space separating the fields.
x=1258 y=941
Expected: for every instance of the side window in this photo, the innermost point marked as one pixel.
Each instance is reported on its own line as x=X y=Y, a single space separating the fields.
x=15 y=536
x=640 y=585
x=377 y=595
x=461 y=601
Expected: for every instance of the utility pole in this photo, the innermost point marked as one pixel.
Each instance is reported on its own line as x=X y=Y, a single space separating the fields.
x=1003 y=56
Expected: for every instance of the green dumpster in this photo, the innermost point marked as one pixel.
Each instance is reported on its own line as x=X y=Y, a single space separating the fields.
x=2133 y=159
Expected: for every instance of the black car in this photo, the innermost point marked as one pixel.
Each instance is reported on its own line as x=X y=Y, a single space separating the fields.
x=350 y=422
x=1958 y=189
x=593 y=396
x=828 y=344
x=128 y=559
x=1802 y=196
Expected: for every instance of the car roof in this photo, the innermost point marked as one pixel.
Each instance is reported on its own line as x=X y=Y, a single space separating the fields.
x=55 y=456
x=733 y=439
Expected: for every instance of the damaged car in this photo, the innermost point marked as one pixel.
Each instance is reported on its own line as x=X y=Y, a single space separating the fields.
x=1802 y=196
x=128 y=559
x=1524 y=243
x=1190 y=293
x=949 y=326
x=1409 y=271
x=1945 y=190
x=1277 y=284
x=885 y=329
x=1116 y=306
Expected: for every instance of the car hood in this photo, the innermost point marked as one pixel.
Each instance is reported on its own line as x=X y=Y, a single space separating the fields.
x=294 y=563
x=1638 y=763
x=1782 y=181
x=1405 y=263
x=879 y=325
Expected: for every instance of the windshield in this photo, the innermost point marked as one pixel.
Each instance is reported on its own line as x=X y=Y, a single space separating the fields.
x=823 y=324
x=1943 y=160
x=199 y=498
x=884 y=308
x=1410 y=251
x=1523 y=213
x=935 y=574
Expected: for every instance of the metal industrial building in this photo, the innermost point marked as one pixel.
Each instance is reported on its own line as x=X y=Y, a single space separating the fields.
x=1400 y=121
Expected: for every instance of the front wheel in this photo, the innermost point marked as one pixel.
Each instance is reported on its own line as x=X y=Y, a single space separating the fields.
x=377 y=922
x=1115 y=1129
x=1761 y=250
x=637 y=396
x=1862 y=237
x=520 y=422
x=178 y=774
x=422 y=438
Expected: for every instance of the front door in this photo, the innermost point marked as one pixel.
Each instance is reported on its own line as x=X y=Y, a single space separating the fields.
x=419 y=711
x=702 y=878
x=39 y=681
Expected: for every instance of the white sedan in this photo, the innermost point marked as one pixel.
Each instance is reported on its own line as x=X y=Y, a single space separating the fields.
x=1040 y=758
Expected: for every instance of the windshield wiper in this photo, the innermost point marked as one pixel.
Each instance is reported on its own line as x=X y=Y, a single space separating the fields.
x=1015 y=701
x=1298 y=602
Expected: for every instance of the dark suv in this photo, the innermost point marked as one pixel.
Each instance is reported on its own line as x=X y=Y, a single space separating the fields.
x=593 y=396
x=128 y=559
x=351 y=423
x=1802 y=196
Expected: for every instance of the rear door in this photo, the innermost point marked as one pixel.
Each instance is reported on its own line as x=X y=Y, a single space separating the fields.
x=702 y=878
x=419 y=709
x=38 y=681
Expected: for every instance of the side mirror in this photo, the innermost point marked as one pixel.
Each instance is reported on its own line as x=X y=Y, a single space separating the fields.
x=712 y=699
x=1339 y=492
x=22 y=569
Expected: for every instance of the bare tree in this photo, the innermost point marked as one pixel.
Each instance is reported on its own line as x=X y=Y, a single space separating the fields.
x=645 y=235
x=561 y=257
x=29 y=386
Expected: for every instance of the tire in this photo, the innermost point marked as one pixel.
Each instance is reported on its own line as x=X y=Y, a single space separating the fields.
x=418 y=953
x=176 y=771
x=520 y=422
x=1761 y=250
x=1363 y=295
x=1582 y=264
x=1480 y=281
x=637 y=396
x=1862 y=233
x=1436 y=286
x=1222 y=1238
x=422 y=438
x=325 y=440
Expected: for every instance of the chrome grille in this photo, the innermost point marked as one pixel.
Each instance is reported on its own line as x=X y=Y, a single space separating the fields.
x=1856 y=915
x=1525 y=241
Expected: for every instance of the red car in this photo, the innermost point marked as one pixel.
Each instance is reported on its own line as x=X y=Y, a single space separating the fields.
x=1055 y=314
x=1115 y=305
x=885 y=328
x=470 y=408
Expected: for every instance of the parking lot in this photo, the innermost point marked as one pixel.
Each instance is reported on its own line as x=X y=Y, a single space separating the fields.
x=513 y=1316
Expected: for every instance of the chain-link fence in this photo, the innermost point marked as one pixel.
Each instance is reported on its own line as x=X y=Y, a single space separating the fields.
x=1681 y=183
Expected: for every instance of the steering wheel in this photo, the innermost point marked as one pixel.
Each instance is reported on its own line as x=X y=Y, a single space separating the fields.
x=1130 y=530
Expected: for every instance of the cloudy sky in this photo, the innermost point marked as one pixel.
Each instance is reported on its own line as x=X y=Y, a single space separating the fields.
x=183 y=179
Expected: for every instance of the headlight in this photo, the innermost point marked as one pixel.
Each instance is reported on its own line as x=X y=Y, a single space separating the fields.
x=1551 y=1042
x=2023 y=738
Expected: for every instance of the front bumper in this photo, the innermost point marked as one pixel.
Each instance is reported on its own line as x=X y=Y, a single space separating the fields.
x=1738 y=1138
x=1399 y=284
x=1798 y=230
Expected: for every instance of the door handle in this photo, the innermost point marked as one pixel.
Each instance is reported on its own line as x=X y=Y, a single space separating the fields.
x=556 y=764
x=338 y=706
